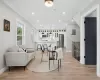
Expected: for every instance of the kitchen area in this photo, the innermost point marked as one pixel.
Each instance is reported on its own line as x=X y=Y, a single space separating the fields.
x=55 y=37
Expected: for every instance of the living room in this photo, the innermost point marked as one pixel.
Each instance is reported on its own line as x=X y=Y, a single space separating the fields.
x=34 y=33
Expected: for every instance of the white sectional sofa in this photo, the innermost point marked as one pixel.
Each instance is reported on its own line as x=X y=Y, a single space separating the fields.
x=16 y=56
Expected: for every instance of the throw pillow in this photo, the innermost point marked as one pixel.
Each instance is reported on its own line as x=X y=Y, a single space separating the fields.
x=21 y=50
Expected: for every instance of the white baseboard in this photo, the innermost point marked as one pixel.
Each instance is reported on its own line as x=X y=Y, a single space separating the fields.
x=98 y=75
x=3 y=70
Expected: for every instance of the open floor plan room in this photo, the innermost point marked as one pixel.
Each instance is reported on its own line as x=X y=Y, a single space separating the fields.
x=49 y=39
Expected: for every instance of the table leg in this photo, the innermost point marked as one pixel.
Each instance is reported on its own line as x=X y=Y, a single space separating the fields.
x=60 y=63
x=42 y=57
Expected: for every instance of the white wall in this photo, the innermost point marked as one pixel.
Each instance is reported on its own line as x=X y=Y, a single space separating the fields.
x=77 y=18
x=8 y=39
x=72 y=38
x=93 y=14
x=82 y=50
x=29 y=37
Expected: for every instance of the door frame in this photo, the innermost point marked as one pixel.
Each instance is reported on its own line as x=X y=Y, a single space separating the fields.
x=82 y=36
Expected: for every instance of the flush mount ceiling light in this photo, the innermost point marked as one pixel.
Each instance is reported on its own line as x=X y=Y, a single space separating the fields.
x=49 y=3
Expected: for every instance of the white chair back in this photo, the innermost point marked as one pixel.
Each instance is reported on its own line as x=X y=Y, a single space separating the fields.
x=60 y=53
x=39 y=46
x=45 y=46
x=51 y=48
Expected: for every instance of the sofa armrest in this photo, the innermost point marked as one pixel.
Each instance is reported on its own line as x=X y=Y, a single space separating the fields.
x=16 y=58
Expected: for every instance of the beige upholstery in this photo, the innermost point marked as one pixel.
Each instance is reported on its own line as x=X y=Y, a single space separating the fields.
x=60 y=53
x=18 y=58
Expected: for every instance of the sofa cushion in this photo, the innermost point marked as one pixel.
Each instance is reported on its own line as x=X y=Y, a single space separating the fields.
x=13 y=49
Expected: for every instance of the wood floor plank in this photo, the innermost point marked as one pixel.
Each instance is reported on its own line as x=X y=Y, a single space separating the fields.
x=71 y=70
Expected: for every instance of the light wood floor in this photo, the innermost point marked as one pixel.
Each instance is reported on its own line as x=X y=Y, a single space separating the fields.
x=71 y=70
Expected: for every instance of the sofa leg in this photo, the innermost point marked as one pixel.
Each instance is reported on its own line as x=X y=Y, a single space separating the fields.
x=60 y=63
x=49 y=64
x=34 y=57
x=9 y=68
x=24 y=68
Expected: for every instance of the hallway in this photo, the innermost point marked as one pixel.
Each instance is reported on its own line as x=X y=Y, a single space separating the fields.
x=71 y=70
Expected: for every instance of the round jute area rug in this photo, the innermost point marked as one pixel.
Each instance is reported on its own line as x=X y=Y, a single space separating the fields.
x=37 y=66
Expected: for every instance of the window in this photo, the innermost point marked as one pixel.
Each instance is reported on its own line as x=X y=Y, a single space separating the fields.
x=20 y=34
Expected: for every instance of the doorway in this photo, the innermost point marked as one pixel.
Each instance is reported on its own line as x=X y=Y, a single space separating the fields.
x=82 y=37
x=90 y=40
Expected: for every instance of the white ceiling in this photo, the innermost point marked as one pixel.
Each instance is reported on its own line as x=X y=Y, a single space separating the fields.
x=47 y=16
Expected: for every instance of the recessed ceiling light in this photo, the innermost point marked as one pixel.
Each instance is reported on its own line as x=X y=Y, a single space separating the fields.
x=63 y=13
x=72 y=20
x=37 y=20
x=59 y=20
x=91 y=0
x=33 y=13
x=41 y=25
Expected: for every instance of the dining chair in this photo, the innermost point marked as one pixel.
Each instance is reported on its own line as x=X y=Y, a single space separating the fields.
x=53 y=55
x=56 y=55
x=39 y=47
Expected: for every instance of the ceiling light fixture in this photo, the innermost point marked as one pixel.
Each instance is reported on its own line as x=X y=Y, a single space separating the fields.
x=41 y=25
x=33 y=13
x=59 y=20
x=63 y=13
x=37 y=20
x=49 y=3
x=72 y=20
